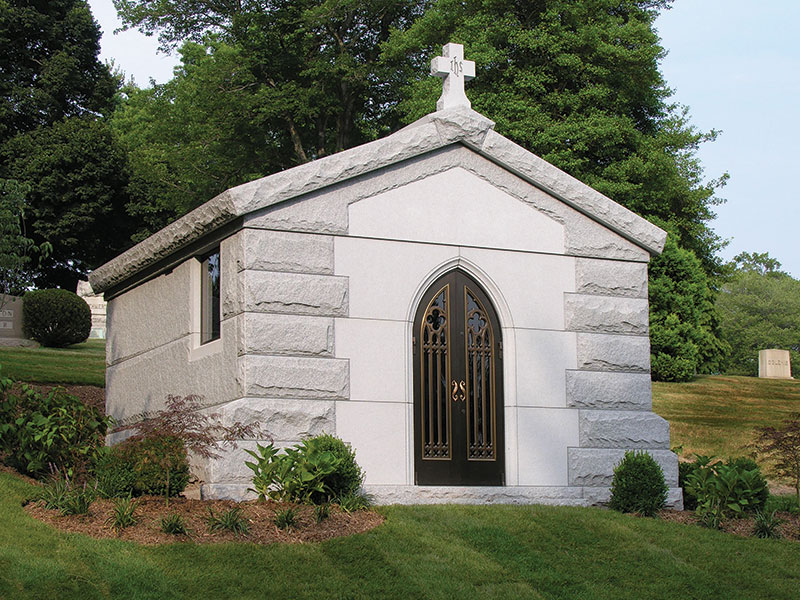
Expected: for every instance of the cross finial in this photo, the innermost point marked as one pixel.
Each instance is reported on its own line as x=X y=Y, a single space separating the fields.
x=455 y=71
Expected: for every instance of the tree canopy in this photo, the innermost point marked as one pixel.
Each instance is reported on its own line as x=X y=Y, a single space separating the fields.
x=759 y=309
x=54 y=141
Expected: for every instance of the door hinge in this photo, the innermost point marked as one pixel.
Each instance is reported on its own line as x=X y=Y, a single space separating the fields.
x=500 y=349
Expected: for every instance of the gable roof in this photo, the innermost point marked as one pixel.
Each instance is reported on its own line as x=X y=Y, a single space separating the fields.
x=436 y=130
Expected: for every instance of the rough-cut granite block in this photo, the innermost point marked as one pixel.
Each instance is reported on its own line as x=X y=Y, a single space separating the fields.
x=573 y=192
x=594 y=467
x=295 y=293
x=600 y=352
x=622 y=429
x=281 y=419
x=600 y=496
x=603 y=314
x=611 y=278
x=290 y=377
x=265 y=333
x=399 y=494
x=600 y=389
x=286 y=251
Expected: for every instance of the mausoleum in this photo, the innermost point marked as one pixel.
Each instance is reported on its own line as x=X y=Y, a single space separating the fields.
x=473 y=320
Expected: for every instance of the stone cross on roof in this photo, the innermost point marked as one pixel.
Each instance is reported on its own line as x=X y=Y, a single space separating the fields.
x=455 y=71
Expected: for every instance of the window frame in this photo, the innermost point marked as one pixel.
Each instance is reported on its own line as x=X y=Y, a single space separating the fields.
x=210 y=296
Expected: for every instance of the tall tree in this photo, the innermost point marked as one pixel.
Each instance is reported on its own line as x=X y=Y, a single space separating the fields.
x=53 y=95
x=48 y=67
x=578 y=84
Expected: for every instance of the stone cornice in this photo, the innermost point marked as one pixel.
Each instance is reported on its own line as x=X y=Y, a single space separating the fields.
x=434 y=131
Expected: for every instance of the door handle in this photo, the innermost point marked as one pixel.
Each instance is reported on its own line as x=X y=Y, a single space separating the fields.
x=457 y=395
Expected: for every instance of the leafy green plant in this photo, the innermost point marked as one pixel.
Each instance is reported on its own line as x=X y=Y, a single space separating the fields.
x=638 y=485
x=725 y=489
x=173 y=524
x=684 y=470
x=53 y=494
x=348 y=476
x=232 y=520
x=318 y=470
x=355 y=501
x=159 y=464
x=322 y=512
x=158 y=449
x=56 y=318
x=77 y=501
x=114 y=474
x=285 y=519
x=782 y=504
x=123 y=514
x=767 y=525
x=40 y=431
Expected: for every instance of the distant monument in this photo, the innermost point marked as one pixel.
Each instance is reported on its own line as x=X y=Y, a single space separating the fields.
x=98 y=308
x=774 y=364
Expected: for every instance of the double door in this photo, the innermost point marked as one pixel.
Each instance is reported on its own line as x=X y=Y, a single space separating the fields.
x=458 y=387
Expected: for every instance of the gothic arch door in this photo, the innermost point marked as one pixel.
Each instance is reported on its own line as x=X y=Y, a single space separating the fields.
x=458 y=386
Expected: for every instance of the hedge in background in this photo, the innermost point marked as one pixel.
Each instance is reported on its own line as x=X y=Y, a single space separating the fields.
x=56 y=318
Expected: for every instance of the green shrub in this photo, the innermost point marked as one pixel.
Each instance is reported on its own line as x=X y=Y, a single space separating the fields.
x=638 y=485
x=114 y=474
x=782 y=504
x=684 y=470
x=41 y=432
x=286 y=519
x=159 y=464
x=231 y=520
x=60 y=494
x=726 y=489
x=56 y=318
x=322 y=512
x=767 y=525
x=318 y=470
x=348 y=476
x=123 y=514
x=173 y=524
x=355 y=501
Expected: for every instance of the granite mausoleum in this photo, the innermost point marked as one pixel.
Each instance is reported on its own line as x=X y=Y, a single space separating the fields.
x=470 y=318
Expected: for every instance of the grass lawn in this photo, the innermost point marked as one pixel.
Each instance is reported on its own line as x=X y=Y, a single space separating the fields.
x=420 y=552
x=716 y=415
x=81 y=364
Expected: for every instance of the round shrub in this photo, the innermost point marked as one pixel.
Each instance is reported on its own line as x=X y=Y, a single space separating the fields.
x=638 y=485
x=156 y=461
x=56 y=318
x=347 y=478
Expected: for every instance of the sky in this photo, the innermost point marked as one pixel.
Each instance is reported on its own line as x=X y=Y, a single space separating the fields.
x=734 y=63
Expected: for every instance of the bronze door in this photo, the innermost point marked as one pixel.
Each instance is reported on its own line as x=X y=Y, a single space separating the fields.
x=458 y=386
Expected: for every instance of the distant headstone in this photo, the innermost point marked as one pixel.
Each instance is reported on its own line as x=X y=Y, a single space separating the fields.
x=98 y=308
x=10 y=316
x=774 y=364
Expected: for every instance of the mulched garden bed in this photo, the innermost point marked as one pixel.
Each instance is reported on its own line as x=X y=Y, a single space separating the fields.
x=790 y=527
x=259 y=515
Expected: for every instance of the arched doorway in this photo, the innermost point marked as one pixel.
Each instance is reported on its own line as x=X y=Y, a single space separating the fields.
x=458 y=385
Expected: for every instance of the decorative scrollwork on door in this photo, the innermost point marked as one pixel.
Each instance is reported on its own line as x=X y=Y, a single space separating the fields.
x=435 y=369
x=480 y=360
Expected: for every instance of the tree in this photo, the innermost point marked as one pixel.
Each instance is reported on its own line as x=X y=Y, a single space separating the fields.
x=578 y=84
x=781 y=445
x=76 y=174
x=16 y=249
x=759 y=308
x=53 y=140
x=49 y=68
x=683 y=330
